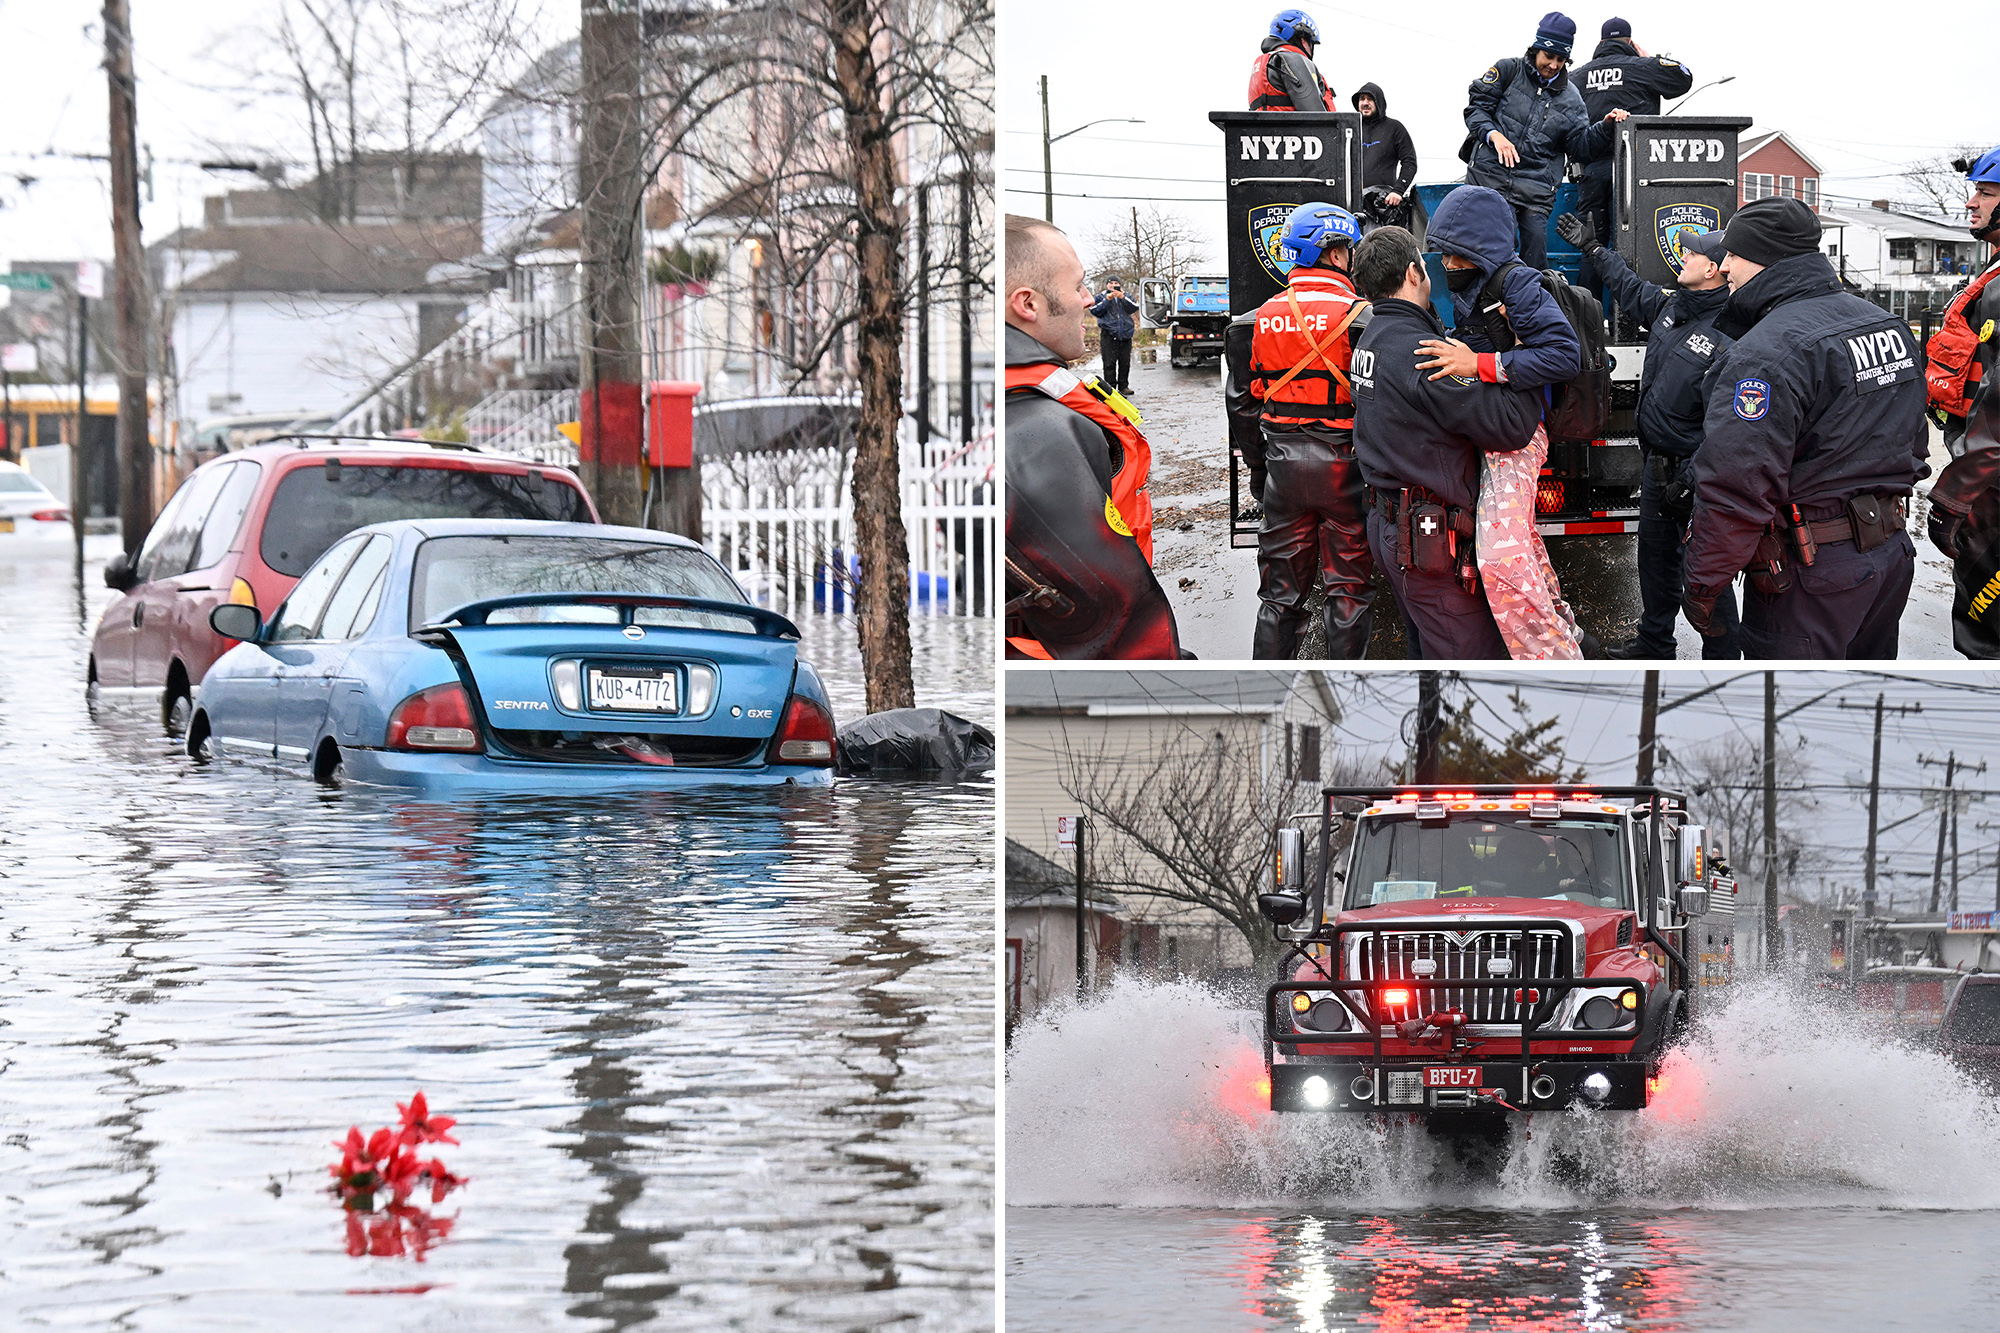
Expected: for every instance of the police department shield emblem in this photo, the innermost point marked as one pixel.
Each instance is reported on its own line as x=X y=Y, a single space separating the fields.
x=1676 y=221
x=1753 y=399
x=1267 y=225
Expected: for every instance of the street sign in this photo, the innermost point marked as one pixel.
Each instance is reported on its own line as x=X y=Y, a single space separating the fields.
x=27 y=282
x=19 y=358
x=1066 y=832
x=90 y=279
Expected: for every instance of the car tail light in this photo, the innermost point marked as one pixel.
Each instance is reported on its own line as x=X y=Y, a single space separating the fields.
x=438 y=718
x=1549 y=495
x=242 y=594
x=806 y=734
x=50 y=516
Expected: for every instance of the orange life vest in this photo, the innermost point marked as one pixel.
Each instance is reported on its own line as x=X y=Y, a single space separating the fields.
x=1300 y=350
x=1129 y=506
x=1266 y=95
x=1952 y=369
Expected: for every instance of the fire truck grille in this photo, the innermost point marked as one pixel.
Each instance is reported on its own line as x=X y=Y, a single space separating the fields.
x=1432 y=959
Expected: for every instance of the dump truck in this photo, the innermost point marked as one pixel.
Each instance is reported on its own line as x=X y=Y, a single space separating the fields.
x=1195 y=313
x=1486 y=951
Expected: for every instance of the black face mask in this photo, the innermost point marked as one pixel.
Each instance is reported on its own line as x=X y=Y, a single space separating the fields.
x=1461 y=279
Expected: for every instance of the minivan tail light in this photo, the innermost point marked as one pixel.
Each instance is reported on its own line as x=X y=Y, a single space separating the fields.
x=806 y=734
x=242 y=594
x=439 y=718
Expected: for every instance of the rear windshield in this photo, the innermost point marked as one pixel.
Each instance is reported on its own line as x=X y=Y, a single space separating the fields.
x=1976 y=1019
x=452 y=571
x=18 y=481
x=1400 y=860
x=313 y=508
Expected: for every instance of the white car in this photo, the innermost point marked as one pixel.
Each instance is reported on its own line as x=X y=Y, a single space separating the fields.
x=28 y=508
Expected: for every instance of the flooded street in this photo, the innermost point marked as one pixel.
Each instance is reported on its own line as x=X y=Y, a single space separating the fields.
x=1792 y=1172
x=717 y=1062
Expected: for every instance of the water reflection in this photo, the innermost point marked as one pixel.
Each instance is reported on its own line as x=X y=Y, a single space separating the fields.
x=720 y=1061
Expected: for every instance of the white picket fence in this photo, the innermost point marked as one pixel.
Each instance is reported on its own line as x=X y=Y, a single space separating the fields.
x=782 y=522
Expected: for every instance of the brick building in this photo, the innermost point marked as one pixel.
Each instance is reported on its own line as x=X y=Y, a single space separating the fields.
x=1773 y=167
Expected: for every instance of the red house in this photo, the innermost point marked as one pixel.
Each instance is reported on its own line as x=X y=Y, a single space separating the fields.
x=1772 y=167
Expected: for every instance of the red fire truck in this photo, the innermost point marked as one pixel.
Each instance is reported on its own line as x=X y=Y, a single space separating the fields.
x=1489 y=950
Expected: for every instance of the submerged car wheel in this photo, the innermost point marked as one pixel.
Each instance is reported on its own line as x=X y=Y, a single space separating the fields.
x=177 y=710
x=200 y=744
x=329 y=769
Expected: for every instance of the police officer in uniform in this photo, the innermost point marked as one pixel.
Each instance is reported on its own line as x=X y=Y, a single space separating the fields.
x=1621 y=76
x=1682 y=344
x=1315 y=510
x=1813 y=438
x=1079 y=521
x=1284 y=77
x=1418 y=440
x=1965 y=501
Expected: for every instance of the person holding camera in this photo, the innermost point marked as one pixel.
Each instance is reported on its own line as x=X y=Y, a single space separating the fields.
x=1113 y=311
x=1682 y=345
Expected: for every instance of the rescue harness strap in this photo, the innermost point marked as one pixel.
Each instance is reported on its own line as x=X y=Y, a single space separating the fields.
x=1319 y=349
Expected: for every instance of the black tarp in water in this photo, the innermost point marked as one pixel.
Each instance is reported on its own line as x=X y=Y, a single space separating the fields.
x=906 y=742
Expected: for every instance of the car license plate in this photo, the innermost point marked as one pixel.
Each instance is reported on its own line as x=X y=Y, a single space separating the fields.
x=6 y=525
x=1453 y=1076
x=634 y=691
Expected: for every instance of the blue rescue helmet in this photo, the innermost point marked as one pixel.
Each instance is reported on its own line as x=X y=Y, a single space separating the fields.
x=1290 y=24
x=1985 y=168
x=1315 y=228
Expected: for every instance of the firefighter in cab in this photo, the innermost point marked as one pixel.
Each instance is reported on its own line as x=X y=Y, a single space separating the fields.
x=1965 y=502
x=1284 y=77
x=1315 y=502
x=1079 y=520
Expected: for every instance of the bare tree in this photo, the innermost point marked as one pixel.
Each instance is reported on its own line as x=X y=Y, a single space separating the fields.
x=1938 y=183
x=1725 y=783
x=1151 y=242
x=1194 y=821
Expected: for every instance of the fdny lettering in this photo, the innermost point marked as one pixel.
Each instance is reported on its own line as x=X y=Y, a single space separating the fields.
x=1280 y=147
x=1880 y=358
x=1700 y=344
x=1684 y=150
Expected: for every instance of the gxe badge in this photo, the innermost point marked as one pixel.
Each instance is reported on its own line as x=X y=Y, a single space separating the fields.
x=634 y=631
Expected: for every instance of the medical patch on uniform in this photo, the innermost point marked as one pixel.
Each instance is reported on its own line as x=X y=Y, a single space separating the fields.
x=1675 y=224
x=1267 y=227
x=1492 y=74
x=1753 y=399
x=1881 y=358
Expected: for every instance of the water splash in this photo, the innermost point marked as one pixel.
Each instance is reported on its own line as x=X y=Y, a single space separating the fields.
x=1152 y=1095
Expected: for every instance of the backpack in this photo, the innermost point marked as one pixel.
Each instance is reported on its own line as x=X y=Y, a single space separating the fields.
x=1580 y=407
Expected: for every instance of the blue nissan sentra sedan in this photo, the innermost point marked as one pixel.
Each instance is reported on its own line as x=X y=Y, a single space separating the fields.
x=517 y=655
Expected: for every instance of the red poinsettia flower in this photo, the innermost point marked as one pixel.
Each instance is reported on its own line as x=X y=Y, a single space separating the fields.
x=357 y=1235
x=442 y=1180
x=385 y=1238
x=420 y=1126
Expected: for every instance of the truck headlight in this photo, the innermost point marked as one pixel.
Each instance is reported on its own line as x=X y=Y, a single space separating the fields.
x=1328 y=1015
x=1314 y=1092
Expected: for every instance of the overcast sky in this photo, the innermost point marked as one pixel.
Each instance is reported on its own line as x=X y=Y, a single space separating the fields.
x=1863 y=88
x=1599 y=722
x=193 y=57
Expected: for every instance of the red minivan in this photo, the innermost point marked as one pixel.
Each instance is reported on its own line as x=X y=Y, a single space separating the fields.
x=244 y=527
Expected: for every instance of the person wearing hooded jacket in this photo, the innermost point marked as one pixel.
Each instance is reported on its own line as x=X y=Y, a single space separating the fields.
x=1682 y=344
x=1524 y=119
x=1813 y=438
x=1621 y=76
x=1080 y=580
x=1965 y=500
x=1388 y=158
x=1493 y=294
x=1284 y=77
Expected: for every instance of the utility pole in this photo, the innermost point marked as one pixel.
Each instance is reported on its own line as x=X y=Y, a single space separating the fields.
x=1082 y=912
x=79 y=475
x=1430 y=725
x=1946 y=801
x=611 y=181
x=1649 y=721
x=924 y=313
x=965 y=308
x=1875 y=790
x=1048 y=162
x=135 y=448
x=1138 y=261
x=1772 y=935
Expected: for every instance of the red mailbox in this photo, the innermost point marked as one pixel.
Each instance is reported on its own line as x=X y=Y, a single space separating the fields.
x=670 y=422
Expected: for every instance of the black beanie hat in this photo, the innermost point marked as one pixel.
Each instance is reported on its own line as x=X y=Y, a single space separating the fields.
x=1772 y=229
x=1614 y=28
